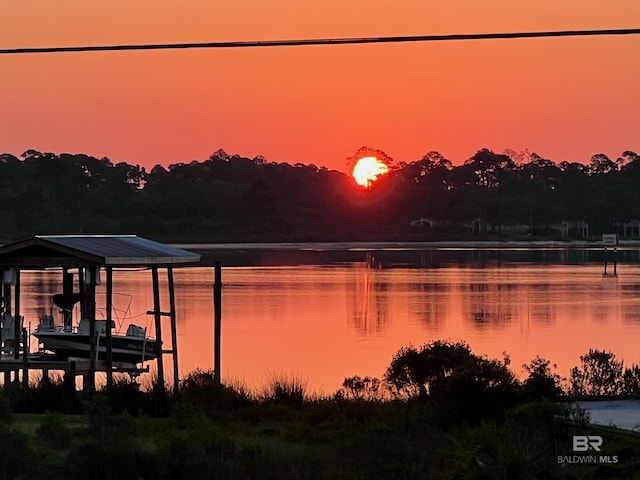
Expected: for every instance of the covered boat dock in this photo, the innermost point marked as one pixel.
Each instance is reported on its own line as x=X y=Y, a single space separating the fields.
x=80 y=260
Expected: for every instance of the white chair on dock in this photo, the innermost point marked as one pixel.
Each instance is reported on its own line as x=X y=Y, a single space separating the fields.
x=9 y=334
x=46 y=323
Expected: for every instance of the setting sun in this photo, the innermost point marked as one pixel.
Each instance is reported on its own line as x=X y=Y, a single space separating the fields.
x=367 y=170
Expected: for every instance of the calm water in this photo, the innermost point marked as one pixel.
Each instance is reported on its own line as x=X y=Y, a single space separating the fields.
x=329 y=321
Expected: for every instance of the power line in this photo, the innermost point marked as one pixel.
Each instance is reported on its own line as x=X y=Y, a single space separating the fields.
x=323 y=41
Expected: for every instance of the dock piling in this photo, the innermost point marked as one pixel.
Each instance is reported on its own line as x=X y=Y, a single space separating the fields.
x=217 y=320
x=174 y=330
x=157 y=316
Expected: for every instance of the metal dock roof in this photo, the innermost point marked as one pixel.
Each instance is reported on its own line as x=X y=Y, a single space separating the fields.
x=78 y=250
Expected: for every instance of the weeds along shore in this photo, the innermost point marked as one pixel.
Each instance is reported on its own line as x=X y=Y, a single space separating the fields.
x=438 y=412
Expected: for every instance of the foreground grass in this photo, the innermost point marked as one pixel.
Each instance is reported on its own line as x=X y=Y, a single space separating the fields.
x=320 y=439
x=439 y=413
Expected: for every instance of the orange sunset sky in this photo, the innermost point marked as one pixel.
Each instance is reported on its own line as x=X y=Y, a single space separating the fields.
x=564 y=98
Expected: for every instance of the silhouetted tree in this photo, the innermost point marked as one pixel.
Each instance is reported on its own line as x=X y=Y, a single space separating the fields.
x=542 y=381
x=461 y=386
x=224 y=195
x=599 y=373
x=365 y=151
x=600 y=163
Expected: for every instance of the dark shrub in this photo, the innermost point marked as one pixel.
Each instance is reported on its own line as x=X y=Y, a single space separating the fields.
x=16 y=454
x=600 y=373
x=202 y=390
x=463 y=386
x=6 y=415
x=53 y=429
x=542 y=382
x=118 y=459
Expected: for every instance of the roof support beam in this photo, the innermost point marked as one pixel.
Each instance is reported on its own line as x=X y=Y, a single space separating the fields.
x=158 y=322
x=109 y=341
x=174 y=329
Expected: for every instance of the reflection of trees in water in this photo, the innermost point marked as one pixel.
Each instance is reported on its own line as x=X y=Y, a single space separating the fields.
x=489 y=305
x=631 y=314
x=497 y=305
x=428 y=304
x=36 y=294
x=375 y=295
x=539 y=309
x=607 y=305
x=432 y=314
x=424 y=259
x=369 y=300
x=543 y=313
x=131 y=300
x=630 y=309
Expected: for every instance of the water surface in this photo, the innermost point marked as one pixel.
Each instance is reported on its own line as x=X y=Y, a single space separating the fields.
x=325 y=322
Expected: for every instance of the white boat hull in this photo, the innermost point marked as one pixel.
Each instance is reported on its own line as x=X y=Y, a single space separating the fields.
x=124 y=348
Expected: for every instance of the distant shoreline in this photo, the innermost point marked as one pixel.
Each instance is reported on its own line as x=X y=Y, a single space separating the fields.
x=366 y=246
x=291 y=253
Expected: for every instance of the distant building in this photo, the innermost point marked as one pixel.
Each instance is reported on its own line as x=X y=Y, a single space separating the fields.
x=474 y=225
x=513 y=229
x=422 y=221
x=631 y=228
x=572 y=228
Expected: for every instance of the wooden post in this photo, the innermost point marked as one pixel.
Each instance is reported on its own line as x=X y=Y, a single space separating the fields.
x=82 y=289
x=217 y=319
x=6 y=296
x=67 y=289
x=3 y=311
x=91 y=312
x=17 y=325
x=7 y=310
x=174 y=330
x=25 y=360
x=109 y=339
x=158 y=321
x=70 y=378
x=5 y=289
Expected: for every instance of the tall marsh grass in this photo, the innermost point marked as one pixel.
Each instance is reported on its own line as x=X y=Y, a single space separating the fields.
x=285 y=389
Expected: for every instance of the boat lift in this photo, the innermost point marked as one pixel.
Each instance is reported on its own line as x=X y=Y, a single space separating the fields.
x=86 y=256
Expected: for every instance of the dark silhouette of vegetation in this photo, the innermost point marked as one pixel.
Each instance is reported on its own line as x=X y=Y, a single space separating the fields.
x=542 y=381
x=285 y=390
x=431 y=416
x=427 y=371
x=602 y=374
x=461 y=386
x=231 y=198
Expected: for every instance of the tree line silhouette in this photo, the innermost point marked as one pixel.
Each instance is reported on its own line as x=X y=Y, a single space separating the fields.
x=232 y=198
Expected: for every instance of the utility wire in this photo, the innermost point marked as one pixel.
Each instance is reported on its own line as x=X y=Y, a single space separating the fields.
x=323 y=41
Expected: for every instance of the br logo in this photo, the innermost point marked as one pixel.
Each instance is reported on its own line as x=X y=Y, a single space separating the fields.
x=583 y=443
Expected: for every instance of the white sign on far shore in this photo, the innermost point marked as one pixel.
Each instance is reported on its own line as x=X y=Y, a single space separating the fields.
x=610 y=239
